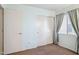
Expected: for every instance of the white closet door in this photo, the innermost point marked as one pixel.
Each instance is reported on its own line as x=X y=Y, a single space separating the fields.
x=43 y=31
x=51 y=24
x=12 y=31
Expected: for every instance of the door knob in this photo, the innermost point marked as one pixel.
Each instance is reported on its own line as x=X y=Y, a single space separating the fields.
x=37 y=32
x=19 y=33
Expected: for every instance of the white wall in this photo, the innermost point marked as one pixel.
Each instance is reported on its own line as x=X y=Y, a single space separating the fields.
x=68 y=41
x=27 y=17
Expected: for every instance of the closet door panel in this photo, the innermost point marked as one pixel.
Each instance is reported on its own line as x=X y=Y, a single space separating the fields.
x=12 y=31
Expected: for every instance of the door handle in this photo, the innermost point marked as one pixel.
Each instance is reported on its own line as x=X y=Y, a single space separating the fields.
x=20 y=33
x=37 y=32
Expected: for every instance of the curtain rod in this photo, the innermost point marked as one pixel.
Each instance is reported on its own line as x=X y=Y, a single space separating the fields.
x=67 y=11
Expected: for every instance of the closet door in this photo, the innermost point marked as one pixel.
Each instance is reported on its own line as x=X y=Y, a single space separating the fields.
x=51 y=24
x=12 y=31
x=44 y=31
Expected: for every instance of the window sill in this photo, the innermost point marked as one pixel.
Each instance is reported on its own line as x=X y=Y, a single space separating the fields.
x=68 y=34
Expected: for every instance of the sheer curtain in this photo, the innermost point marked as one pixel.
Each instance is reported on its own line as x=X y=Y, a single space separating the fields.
x=58 y=22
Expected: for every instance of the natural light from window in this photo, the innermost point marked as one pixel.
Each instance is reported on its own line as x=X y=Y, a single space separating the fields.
x=66 y=27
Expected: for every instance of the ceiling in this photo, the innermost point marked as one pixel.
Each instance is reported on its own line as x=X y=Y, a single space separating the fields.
x=54 y=7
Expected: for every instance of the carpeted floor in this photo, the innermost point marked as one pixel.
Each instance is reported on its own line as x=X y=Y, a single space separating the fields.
x=49 y=49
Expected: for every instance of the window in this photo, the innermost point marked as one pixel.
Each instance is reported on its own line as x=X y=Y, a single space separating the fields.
x=66 y=27
x=63 y=29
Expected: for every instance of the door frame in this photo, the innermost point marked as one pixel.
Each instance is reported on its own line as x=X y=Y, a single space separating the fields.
x=2 y=29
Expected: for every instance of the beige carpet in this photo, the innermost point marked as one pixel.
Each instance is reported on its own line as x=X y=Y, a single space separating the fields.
x=46 y=50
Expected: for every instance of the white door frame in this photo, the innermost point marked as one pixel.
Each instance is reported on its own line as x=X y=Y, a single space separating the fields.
x=2 y=9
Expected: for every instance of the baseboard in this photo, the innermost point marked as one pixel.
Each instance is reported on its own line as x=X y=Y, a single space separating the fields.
x=69 y=49
x=27 y=49
x=66 y=48
x=44 y=45
x=48 y=44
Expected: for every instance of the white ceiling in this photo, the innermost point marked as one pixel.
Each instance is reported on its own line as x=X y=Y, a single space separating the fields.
x=54 y=7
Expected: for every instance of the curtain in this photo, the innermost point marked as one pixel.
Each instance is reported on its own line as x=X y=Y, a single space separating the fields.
x=58 y=22
x=74 y=20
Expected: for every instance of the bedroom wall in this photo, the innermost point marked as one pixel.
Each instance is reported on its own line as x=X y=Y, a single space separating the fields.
x=68 y=41
x=27 y=17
